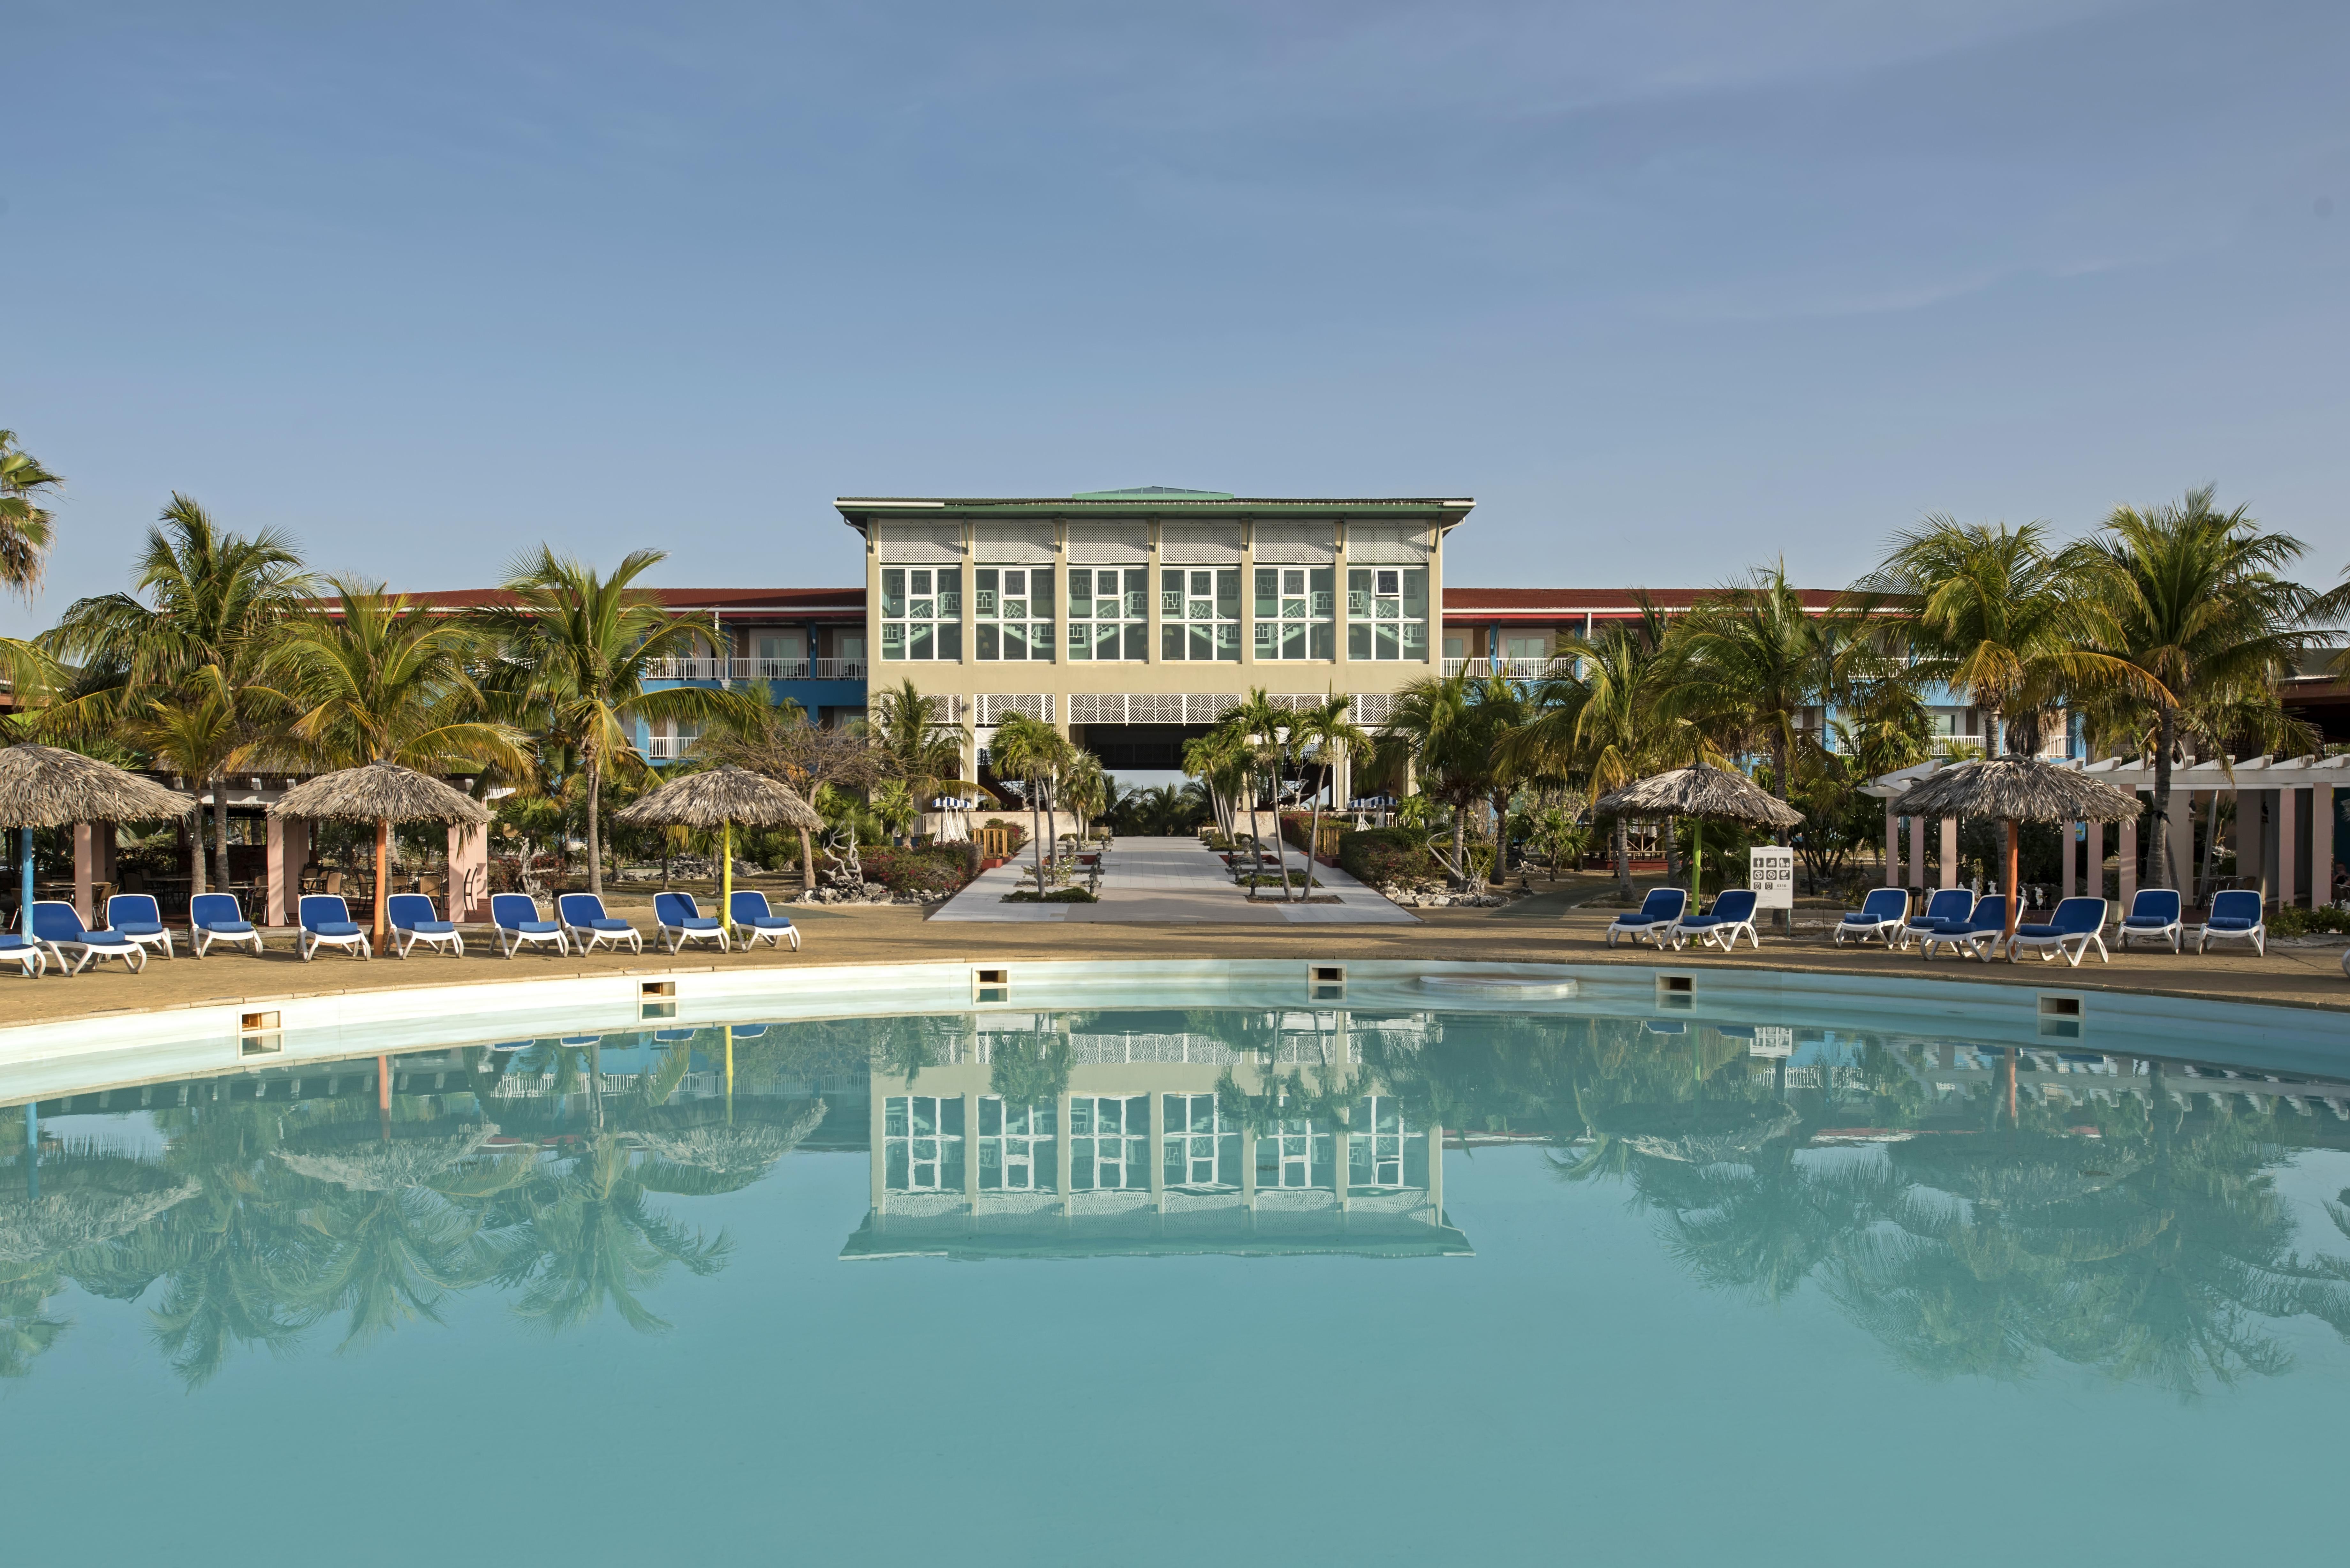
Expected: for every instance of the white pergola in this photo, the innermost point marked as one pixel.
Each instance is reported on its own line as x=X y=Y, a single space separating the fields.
x=2283 y=833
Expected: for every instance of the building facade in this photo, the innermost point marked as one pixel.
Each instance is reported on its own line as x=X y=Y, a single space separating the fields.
x=1132 y=620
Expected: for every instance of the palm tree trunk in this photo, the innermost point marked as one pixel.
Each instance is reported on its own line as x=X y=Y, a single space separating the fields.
x=595 y=782
x=2159 y=856
x=220 y=830
x=2211 y=849
x=1313 y=843
x=195 y=838
x=1623 y=838
x=807 y=863
x=1460 y=843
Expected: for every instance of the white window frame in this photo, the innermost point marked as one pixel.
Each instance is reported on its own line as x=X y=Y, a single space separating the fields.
x=1192 y=625
x=1016 y=1144
x=1197 y=1143
x=1125 y=629
x=1301 y=625
x=925 y=1154
x=922 y=609
x=1132 y=1154
x=1378 y=627
x=990 y=596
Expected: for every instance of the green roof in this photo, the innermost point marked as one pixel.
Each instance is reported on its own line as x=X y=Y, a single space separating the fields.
x=1152 y=492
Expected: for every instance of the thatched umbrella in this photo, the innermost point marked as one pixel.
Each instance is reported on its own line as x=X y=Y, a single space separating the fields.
x=2014 y=790
x=720 y=799
x=383 y=794
x=42 y=787
x=1703 y=795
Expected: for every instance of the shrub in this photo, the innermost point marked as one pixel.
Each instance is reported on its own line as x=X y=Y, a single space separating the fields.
x=1373 y=855
x=2293 y=920
x=937 y=870
x=1057 y=896
x=1019 y=834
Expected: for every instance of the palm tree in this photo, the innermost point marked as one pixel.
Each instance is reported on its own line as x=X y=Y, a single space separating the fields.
x=1222 y=763
x=23 y=523
x=379 y=680
x=1263 y=729
x=1991 y=619
x=200 y=640
x=2190 y=596
x=1035 y=753
x=1327 y=734
x=915 y=746
x=588 y=643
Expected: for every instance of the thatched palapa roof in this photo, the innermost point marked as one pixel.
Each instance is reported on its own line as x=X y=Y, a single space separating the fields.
x=380 y=792
x=722 y=794
x=42 y=787
x=1717 y=795
x=2016 y=789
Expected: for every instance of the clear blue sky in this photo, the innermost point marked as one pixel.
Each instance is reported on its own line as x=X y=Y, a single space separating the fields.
x=1670 y=288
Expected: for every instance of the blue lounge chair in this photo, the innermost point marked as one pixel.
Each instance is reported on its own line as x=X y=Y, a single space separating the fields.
x=1880 y=916
x=1732 y=912
x=413 y=919
x=681 y=920
x=1947 y=906
x=136 y=916
x=2154 y=914
x=1655 y=920
x=2076 y=923
x=752 y=920
x=57 y=925
x=585 y=922
x=33 y=958
x=215 y=918
x=1978 y=936
x=516 y=918
x=326 y=922
x=2238 y=916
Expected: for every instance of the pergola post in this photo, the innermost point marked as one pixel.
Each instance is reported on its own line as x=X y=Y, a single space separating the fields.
x=289 y=851
x=1892 y=845
x=2178 y=842
x=2129 y=861
x=1950 y=852
x=85 y=870
x=2288 y=842
x=468 y=872
x=2071 y=856
x=2320 y=845
x=1918 y=853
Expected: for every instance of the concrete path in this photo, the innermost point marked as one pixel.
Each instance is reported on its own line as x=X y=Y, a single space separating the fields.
x=1163 y=881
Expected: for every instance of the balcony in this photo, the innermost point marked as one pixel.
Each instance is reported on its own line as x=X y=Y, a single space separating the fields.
x=755 y=669
x=1510 y=669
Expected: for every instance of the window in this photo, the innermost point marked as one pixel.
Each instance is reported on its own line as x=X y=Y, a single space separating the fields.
x=1293 y=1152
x=1109 y=1142
x=1294 y=612
x=1201 y=1148
x=1017 y=1148
x=922 y=612
x=668 y=739
x=1375 y=1154
x=1109 y=611
x=778 y=656
x=1014 y=609
x=1386 y=614
x=921 y=1143
x=1199 y=613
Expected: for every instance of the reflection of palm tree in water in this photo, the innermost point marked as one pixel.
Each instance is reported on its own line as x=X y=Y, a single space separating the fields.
x=586 y=1237
x=66 y=1206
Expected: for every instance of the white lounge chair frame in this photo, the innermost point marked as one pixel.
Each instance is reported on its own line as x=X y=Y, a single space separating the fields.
x=34 y=957
x=202 y=938
x=1657 y=931
x=162 y=939
x=452 y=939
x=750 y=934
x=586 y=938
x=1884 y=930
x=1724 y=936
x=93 y=946
x=512 y=940
x=2175 y=931
x=2257 y=934
x=677 y=936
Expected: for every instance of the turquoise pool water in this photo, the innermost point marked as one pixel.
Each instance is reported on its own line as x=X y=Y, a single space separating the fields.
x=1176 y=1285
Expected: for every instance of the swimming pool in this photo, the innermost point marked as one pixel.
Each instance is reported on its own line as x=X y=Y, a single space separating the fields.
x=1687 y=1274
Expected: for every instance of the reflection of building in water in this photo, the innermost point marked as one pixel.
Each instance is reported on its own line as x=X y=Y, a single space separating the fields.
x=1042 y=1134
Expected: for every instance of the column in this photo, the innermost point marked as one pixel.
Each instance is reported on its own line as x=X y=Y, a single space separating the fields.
x=2180 y=869
x=1918 y=852
x=1158 y=1152
x=281 y=886
x=1892 y=847
x=1152 y=618
x=2129 y=861
x=2288 y=841
x=1248 y=592
x=875 y=1126
x=2320 y=845
x=1950 y=852
x=85 y=871
x=970 y=1151
x=2069 y=857
x=469 y=873
x=1061 y=1166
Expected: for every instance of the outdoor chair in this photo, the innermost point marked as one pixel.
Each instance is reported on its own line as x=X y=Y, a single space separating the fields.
x=2067 y=934
x=2154 y=914
x=2238 y=915
x=681 y=920
x=138 y=917
x=587 y=923
x=326 y=922
x=1732 y=912
x=57 y=925
x=1655 y=920
x=31 y=956
x=1880 y=916
x=751 y=920
x=413 y=919
x=1947 y=906
x=515 y=917
x=1978 y=936
x=214 y=918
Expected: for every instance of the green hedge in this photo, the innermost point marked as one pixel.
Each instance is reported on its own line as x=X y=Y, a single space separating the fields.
x=938 y=870
x=1376 y=854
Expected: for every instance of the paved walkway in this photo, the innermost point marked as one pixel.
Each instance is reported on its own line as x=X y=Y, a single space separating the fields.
x=1177 y=881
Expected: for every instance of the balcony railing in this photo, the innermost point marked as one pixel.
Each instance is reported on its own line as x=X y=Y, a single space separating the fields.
x=1510 y=669
x=755 y=669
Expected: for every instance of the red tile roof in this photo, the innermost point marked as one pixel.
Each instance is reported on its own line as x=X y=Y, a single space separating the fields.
x=1599 y=601
x=745 y=602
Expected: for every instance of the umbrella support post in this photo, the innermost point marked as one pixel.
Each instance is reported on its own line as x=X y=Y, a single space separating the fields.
x=2015 y=893
x=383 y=1097
x=1697 y=861
x=726 y=904
x=25 y=869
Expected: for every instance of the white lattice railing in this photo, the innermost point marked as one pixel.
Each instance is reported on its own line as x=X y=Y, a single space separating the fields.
x=1510 y=669
x=755 y=669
